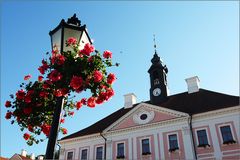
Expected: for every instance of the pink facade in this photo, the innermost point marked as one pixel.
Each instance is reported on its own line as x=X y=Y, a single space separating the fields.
x=159 y=116
x=178 y=154
x=152 y=148
x=209 y=151
x=126 y=149
x=228 y=149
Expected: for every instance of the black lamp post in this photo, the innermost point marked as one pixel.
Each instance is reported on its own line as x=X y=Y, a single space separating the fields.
x=59 y=35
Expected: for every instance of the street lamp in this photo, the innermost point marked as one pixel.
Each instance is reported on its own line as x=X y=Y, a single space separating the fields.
x=71 y=28
x=59 y=35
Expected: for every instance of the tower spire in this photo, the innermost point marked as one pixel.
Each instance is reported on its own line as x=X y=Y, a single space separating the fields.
x=155 y=46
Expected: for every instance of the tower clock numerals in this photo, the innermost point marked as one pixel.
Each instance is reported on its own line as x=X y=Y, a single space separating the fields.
x=156 y=91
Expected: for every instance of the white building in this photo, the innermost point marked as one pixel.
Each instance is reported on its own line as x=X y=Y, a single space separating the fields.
x=197 y=124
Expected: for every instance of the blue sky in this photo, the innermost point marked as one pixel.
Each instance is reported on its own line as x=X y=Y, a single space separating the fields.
x=193 y=38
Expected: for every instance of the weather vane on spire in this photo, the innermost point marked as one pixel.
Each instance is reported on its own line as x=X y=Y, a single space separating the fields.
x=155 y=46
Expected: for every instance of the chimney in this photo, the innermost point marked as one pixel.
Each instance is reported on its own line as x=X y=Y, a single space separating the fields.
x=129 y=100
x=32 y=156
x=193 y=84
x=24 y=153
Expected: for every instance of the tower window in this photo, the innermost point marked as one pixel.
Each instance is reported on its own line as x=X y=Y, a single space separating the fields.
x=156 y=81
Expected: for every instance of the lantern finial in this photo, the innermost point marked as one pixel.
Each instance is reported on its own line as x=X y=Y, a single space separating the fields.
x=74 y=20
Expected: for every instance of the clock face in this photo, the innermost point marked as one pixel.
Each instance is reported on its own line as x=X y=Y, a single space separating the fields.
x=156 y=91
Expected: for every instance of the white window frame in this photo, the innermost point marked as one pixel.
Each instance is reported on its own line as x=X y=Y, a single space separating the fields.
x=96 y=151
x=124 y=148
x=140 y=142
x=199 y=129
x=80 y=153
x=68 y=151
x=172 y=133
x=231 y=128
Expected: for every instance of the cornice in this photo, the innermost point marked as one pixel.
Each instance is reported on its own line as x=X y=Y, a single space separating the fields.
x=90 y=137
x=148 y=126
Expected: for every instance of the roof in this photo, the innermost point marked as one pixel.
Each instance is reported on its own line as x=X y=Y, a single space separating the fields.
x=100 y=125
x=199 y=102
x=18 y=156
x=2 y=158
x=194 y=103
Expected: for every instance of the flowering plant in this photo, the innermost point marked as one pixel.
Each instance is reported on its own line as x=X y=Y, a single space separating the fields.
x=63 y=74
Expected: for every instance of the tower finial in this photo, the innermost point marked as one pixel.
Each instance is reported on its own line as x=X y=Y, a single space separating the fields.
x=154 y=41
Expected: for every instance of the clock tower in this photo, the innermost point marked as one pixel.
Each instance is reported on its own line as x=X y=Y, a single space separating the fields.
x=158 y=80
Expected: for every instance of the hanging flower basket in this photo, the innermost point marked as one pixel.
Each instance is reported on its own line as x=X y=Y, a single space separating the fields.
x=63 y=74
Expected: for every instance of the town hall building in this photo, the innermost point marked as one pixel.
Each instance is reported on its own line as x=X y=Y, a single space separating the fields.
x=196 y=124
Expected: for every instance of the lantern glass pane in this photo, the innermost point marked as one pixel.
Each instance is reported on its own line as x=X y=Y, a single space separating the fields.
x=84 y=40
x=70 y=33
x=56 y=39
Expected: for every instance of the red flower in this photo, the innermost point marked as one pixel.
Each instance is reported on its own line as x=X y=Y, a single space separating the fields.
x=109 y=93
x=8 y=104
x=27 y=77
x=46 y=129
x=40 y=78
x=71 y=41
x=90 y=59
x=84 y=101
x=27 y=110
x=111 y=78
x=20 y=94
x=58 y=93
x=30 y=92
x=27 y=99
x=43 y=94
x=107 y=54
x=97 y=75
x=64 y=130
x=99 y=100
x=26 y=136
x=79 y=105
x=70 y=113
x=62 y=120
x=76 y=82
x=45 y=86
x=58 y=59
x=91 y=102
x=8 y=115
x=44 y=67
x=30 y=128
x=88 y=48
x=55 y=76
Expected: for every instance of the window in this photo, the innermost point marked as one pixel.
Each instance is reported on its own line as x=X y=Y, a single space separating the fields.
x=156 y=81
x=227 y=135
x=99 y=153
x=173 y=142
x=84 y=154
x=202 y=138
x=69 y=155
x=120 y=150
x=145 y=147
